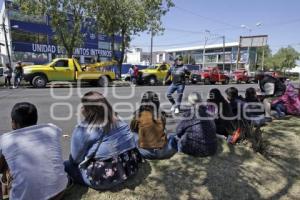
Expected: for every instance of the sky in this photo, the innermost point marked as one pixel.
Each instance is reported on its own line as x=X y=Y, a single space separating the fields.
x=185 y=24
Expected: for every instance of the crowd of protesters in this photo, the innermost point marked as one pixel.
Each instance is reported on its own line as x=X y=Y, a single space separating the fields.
x=106 y=151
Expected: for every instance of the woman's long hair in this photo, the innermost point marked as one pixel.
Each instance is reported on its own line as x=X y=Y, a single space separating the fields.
x=97 y=111
x=150 y=102
x=216 y=97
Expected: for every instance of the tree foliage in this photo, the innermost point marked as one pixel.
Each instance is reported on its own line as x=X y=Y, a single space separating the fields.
x=67 y=19
x=129 y=17
x=283 y=59
x=111 y=17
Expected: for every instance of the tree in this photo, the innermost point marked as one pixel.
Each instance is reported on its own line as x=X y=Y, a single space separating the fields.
x=285 y=58
x=129 y=17
x=66 y=17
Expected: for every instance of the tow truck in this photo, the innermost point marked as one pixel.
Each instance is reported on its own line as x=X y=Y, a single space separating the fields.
x=241 y=75
x=211 y=75
x=154 y=74
x=68 y=69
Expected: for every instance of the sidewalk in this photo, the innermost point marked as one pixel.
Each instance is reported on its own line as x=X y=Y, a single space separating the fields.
x=236 y=172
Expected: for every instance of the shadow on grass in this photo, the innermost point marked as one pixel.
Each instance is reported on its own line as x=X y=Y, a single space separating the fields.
x=77 y=191
x=284 y=152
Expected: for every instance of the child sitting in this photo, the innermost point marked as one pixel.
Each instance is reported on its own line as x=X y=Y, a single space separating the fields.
x=148 y=125
x=33 y=154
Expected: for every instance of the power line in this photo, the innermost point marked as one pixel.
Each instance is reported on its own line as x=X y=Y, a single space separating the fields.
x=204 y=17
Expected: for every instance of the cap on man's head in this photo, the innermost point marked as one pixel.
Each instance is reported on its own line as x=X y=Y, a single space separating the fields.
x=179 y=58
x=19 y=62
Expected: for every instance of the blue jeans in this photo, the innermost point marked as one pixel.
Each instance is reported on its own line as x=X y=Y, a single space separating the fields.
x=159 y=154
x=18 y=79
x=280 y=109
x=173 y=88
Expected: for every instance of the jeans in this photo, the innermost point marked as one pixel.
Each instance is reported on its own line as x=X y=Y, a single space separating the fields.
x=17 y=81
x=280 y=109
x=74 y=172
x=159 y=154
x=172 y=88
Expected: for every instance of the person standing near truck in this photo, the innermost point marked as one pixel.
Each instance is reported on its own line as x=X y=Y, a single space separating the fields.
x=7 y=74
x=178 y=72
x=18 y=74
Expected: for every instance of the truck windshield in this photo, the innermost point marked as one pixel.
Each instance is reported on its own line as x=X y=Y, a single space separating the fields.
x=152 y=67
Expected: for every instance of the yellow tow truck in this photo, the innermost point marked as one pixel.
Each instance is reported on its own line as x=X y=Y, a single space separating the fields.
x=68 y=69
x=154 y=74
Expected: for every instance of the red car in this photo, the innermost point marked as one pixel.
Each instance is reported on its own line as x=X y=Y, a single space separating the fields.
x=212 y=75
x=240 y=76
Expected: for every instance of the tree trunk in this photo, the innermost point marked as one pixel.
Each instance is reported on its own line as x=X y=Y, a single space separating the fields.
x=123 y=46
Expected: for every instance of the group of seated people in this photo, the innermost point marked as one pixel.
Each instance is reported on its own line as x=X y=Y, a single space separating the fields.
x=106 y=151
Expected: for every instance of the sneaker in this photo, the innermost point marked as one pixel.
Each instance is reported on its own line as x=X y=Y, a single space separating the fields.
x=173 y=108
x=236 y=135
x=14 y=87
x=176 y=111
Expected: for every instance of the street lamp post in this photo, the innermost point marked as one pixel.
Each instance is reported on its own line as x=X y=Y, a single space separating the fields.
x=205 y=42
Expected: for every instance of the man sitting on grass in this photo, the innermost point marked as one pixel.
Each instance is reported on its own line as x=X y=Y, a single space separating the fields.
x=33 y=156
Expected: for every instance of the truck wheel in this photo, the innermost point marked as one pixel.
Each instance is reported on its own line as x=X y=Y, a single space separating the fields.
x=103 y=81
x=39 y=81
x=152 y=80
x=206 y=81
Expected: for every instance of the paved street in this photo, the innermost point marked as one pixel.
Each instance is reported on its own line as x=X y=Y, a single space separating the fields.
x=62 y=103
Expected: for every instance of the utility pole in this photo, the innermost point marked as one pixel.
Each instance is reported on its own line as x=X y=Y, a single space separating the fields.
x=223 y=52
x=151 y=48
x=238 y=54
x=6 y=42
x=205 y=42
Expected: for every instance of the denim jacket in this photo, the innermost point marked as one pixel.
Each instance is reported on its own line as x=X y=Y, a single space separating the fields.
x=85 y=141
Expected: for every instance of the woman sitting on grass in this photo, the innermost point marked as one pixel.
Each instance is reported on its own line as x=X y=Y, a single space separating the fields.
x=103 y=151
x=226 y=125
x=197 y=133
x=148 y=125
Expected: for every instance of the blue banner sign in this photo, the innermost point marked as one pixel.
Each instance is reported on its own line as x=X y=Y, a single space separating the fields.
x=45 y=48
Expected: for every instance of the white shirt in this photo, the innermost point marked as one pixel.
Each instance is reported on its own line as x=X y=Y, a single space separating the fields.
x=34 y=157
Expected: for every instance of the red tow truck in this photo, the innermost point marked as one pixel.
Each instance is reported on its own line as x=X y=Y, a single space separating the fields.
x=211 y=75
x=241 y=75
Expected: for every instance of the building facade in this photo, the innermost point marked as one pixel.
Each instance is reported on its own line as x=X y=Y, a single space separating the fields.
x=31 y=39
x=213 y=56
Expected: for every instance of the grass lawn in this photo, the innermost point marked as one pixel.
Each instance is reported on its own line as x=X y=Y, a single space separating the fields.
x=236 y=172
